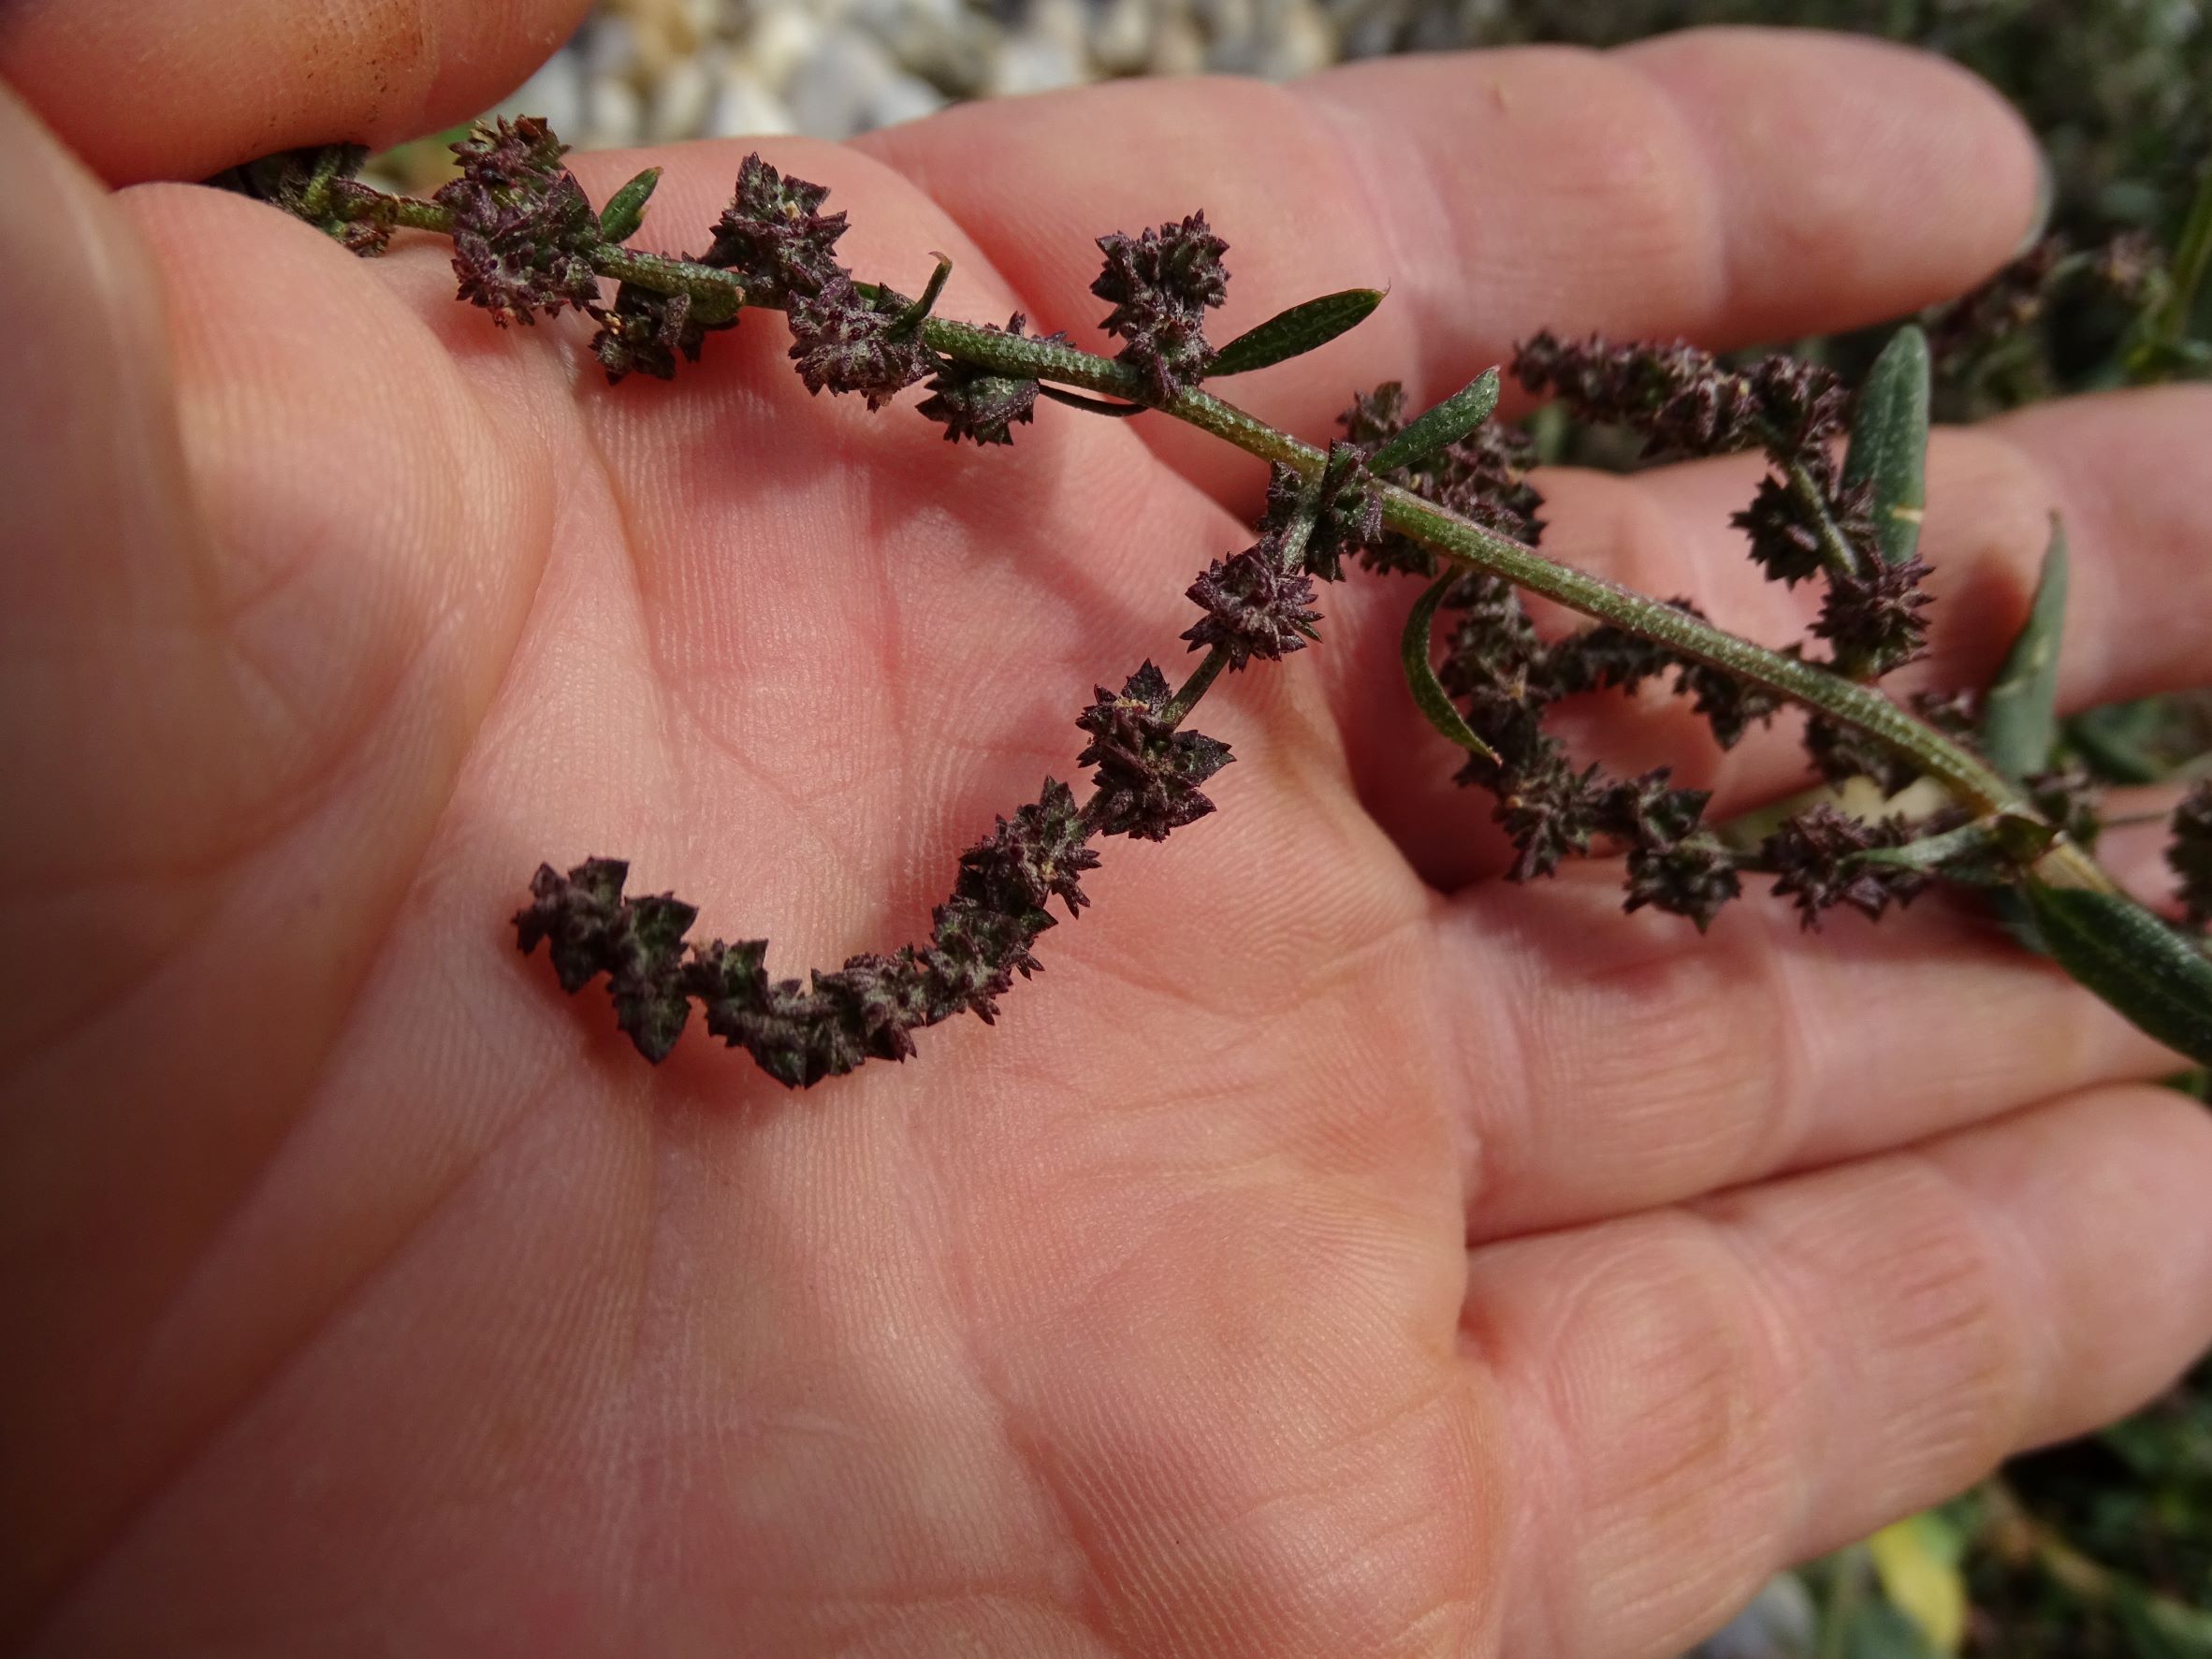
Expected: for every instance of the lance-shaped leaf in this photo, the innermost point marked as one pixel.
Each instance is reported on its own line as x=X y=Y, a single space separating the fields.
x=625 y=210
x=2131 y=960
x=1294 y=332
x=1990 y=851
x=2021 y=726
x=1446 y=424
x=1889 y=444
x=1427 y=690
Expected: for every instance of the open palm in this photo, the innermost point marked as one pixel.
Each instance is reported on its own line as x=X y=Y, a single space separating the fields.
x=1337 y=1251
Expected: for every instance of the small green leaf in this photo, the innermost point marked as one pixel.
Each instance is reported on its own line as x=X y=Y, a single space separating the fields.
x=2021 y=724
x=1428 y=691
x=625 y=210
x=1448 y=423
x=1988 y=852
x=2131 y=960
x=1294 y=332
x=1889 y=443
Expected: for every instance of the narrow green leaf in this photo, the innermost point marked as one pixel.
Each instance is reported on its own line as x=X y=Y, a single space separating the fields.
x=1448 y=423
x=1294 y=332
x=2131 y=960
x=625 y=210
x=1889 y=443
x=1988 y=852
x=1427 y=690
x=2021 y=724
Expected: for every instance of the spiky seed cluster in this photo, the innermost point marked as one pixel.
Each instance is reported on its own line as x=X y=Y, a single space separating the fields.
x=1160 y=283
x=1148 y=772
x=646 y=331
x=1483 y=477
x=523 y=229
x=1683 y=399
x=866 y=1009
x=2190 y=856
x=1258 y=603
x=1346 y=512
x=1672 y=867
x=636 y=943
x=1814 y=858
x=1873 y=618
x=1784 y=542
x=971 y=404
x=845 y=342
x=289 y=180
x=1508 y=678
x=774 y=233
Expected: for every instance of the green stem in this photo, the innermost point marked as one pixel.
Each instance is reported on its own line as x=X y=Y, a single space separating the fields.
x=1201 y=679
x=1860 y=708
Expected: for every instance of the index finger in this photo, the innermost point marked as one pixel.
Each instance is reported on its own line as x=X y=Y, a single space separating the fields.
x=1725 y=186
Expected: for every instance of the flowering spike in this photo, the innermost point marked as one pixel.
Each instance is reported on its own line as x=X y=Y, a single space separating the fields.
x=1813 y=857
x=1873 y=618
x=1148 y=772
x=774 y=232
x=1161 y=284
x=843 y=342
x=523 y=229
x=646 y=331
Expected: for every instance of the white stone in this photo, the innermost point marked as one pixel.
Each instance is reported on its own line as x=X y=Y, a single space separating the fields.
x=1027 y=64
x=1066 y=23
x=679 y=102
x=1295 y=39
x=781 y=39
x=903 y=97
x=614 y=115
x=1121 y=35
x=609 y=47
x=744 y=108
x=1177 y=47
x=556 y=91
x=832 y=92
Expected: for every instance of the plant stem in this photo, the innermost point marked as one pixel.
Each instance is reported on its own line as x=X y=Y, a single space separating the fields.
x=1201 y=677
x=1860 y=708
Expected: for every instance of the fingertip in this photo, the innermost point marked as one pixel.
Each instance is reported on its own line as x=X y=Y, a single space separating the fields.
x=152 y=89
x=1908 y=179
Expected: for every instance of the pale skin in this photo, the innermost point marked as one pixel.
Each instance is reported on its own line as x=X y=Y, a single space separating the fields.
x=1336 y=1251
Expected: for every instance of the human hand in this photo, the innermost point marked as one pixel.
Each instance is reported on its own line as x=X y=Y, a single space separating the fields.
x=1336 y=1251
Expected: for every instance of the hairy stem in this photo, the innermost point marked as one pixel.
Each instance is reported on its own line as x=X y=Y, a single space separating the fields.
x=1841 y=700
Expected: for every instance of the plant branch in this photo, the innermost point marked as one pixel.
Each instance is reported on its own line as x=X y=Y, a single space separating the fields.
x=1864 y=709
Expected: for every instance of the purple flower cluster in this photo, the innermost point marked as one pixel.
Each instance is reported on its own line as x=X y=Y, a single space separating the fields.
x=1161 y=284
x=866 y=1009
x=982 y=407
x=523 y=229
x=1148 y=771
